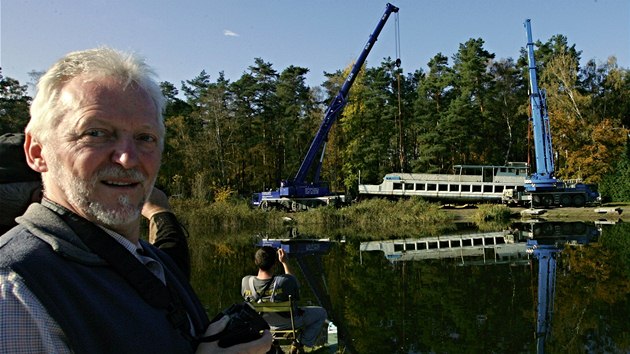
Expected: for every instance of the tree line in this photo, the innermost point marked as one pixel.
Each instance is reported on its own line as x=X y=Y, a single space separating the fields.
x=237 y=137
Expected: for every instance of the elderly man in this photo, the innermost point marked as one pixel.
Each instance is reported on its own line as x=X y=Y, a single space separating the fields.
x=74 y=274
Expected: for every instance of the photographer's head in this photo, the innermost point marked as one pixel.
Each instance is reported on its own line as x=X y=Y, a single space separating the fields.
x=96 y=135
x=266 y=257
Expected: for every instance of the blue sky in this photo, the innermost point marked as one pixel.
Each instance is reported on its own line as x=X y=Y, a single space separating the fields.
x=179 y=38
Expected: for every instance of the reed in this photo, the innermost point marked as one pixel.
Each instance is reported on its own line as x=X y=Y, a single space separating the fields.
x=491 y=214
x=373 y=218
x=377 y=218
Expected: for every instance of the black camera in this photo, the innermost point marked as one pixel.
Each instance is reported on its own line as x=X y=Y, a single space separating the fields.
x=245 y=325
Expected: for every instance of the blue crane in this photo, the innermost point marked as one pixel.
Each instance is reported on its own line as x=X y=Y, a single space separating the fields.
x=299 y=193
x=544 y=176
x=542 y=188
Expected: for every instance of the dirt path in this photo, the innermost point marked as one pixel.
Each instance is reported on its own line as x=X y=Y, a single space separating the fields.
x=611 y=212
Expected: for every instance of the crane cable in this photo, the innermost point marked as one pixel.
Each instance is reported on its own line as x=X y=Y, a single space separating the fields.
x=397 y=63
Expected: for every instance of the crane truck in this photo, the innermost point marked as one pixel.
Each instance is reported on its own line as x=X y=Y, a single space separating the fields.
x=542 y=188
x=300 y=193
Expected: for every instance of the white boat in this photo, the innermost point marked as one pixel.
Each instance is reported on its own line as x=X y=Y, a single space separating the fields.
x=468 y=183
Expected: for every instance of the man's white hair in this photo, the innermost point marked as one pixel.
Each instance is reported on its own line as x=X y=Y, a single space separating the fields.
x=46 y=110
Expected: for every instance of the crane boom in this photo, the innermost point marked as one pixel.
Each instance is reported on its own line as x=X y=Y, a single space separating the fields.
x=339 y=102
x=298 y=190
x=544 y=175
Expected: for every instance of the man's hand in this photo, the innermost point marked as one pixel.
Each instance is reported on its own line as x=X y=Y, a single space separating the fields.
x=258 y=346
x=282 y=256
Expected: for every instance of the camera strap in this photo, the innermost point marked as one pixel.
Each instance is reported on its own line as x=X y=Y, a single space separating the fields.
x=150 y=287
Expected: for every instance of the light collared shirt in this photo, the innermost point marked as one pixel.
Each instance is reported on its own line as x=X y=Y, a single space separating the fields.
x=26 y=326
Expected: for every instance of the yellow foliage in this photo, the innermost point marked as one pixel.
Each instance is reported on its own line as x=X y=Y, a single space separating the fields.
x=223 y=194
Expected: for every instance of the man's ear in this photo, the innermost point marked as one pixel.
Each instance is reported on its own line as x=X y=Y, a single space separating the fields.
x=33 y=150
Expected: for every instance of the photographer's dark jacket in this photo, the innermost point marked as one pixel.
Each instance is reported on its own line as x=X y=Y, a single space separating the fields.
x=97 y=309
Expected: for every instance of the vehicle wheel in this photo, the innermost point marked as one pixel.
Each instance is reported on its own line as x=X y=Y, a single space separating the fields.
x=565 y=200
x=579 y=228
x=579 y=200
x=536 y=200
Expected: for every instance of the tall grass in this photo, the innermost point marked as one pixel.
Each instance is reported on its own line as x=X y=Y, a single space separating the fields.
x=491 y=216
x=378 y=218
x=374 y=218
x=218 y=216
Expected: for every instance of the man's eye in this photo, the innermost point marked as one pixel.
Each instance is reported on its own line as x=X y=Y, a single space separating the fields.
x=95 y=133
x=147 y=138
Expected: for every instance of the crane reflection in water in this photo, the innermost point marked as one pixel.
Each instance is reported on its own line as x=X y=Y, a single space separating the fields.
x=533 y=242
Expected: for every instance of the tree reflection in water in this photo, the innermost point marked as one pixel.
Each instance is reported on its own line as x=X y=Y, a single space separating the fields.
x=475 y=303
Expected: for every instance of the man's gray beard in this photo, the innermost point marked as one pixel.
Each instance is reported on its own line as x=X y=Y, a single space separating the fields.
x=78 y=192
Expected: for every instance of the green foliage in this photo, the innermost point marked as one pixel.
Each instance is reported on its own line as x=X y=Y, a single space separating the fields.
x=14 y=105
x=615 y=186
x=250 y=134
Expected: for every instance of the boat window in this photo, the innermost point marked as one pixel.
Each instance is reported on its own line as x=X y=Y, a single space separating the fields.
x=397 y=186
x=408 y=186
x=399 y=247
x=498 y=189
x=476 y=188
x=487 y=189
x=431 y=186
x=392 y=178
x=456 y=243
x=466 y=242
x=444 y=244
x=490 y=241
x=478 y=241
x=443 y=187
x=465 y=188
x=433 y=245
x=410 y=246
x=454 y=187
x=500 y=240
x=419 y=186
x=421 y=246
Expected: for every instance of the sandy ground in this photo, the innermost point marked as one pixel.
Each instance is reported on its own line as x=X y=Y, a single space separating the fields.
x=612 y=212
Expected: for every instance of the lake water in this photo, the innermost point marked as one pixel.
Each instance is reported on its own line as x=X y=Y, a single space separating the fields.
x=535 y=288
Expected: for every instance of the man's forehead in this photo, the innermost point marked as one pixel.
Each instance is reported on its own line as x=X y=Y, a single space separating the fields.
x=82 y=87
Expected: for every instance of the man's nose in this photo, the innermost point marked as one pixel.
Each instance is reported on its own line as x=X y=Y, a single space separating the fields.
x=126 y=153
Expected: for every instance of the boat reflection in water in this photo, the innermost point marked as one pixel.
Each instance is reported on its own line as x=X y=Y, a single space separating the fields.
x=535 y=241
x=470 y=249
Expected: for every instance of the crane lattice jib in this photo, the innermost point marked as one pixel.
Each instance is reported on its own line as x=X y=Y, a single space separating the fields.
x=339 y=102
x=540 y=117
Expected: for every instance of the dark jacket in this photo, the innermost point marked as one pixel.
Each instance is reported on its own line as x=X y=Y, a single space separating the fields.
x=98 y=310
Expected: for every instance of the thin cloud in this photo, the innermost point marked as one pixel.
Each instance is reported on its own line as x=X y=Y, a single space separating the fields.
x=229 y=33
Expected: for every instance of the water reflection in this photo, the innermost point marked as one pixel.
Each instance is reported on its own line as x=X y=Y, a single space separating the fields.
x=525 y=244
x=452 y=294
